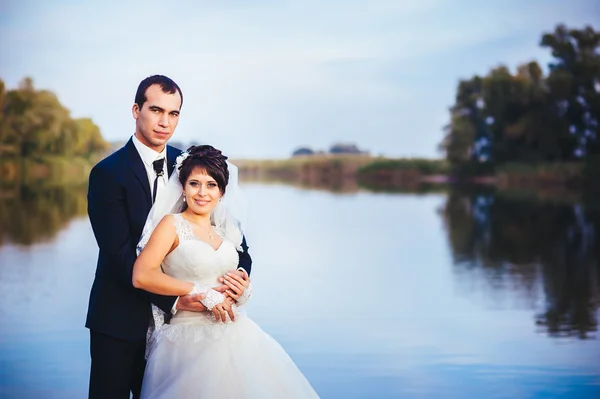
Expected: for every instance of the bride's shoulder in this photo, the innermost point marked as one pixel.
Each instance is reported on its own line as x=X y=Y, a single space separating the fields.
x=169 y=221
x=172 y=216
x=169 y=217
x=176 y=222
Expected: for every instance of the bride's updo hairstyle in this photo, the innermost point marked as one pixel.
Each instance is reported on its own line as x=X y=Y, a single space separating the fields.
x=208 y=158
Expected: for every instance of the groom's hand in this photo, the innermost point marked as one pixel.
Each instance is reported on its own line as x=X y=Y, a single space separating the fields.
x=191 y=303
x=235 y=283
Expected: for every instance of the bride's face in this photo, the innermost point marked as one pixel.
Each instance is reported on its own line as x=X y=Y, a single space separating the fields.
x=201 y=192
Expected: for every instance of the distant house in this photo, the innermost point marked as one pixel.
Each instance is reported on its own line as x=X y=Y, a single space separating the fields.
x=303 y=151
x=343 y=148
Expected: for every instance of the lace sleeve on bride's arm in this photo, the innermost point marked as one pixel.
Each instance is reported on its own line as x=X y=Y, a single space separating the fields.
x=212 y=297
x=246 y=295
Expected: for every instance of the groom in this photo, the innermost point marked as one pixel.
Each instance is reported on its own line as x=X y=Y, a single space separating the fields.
x=122 y=189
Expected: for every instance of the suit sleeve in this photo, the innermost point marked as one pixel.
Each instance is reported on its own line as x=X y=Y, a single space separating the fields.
x=107 y=210
x=245 y=261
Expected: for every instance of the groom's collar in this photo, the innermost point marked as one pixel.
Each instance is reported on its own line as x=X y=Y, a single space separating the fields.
x=147 y=154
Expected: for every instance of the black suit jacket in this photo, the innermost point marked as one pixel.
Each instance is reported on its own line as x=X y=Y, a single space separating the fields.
x=119 y=200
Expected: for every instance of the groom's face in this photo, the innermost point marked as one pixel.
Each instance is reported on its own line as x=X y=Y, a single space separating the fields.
x=157 y=119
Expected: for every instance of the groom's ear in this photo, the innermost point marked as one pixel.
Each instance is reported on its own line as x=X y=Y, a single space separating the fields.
x=135 y=111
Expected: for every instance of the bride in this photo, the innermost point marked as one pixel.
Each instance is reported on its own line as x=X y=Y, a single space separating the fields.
x=189 y=244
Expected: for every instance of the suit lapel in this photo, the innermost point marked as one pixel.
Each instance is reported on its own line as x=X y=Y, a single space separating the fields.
x=137 y=166
x=172 y=154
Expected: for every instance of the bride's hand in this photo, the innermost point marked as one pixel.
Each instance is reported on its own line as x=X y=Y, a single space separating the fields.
x=237 y=282
x=222 y=289
x=220 y=311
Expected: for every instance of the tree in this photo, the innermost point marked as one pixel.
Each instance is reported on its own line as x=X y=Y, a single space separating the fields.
x=38 y=124
x=2 y=101
x=467 y=136
x=574 y=84
x=526 y=117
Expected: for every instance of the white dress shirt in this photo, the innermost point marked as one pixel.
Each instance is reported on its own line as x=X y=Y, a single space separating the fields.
x=148 y=156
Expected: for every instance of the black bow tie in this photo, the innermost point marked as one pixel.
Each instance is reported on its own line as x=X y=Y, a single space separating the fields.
x=158 y=166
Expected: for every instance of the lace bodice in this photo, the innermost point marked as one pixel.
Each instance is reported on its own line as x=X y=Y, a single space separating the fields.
x=197 y=261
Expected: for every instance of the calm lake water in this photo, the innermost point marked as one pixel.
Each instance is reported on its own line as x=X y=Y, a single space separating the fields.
x=374 y=295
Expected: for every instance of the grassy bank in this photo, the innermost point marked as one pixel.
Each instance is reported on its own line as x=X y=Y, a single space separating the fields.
x=567 y=174
x=399 y=173
x=347 y=170
x=309 y=168
x=386 y=173
x=418 y=165
x=342 y=165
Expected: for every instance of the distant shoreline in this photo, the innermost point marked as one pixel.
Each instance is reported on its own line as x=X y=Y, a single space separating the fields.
x=406 y=171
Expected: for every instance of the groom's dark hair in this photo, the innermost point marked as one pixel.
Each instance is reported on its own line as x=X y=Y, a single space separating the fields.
x=208 y=158
x=166 y=84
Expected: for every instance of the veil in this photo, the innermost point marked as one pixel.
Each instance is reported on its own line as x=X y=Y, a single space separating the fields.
x=227 y=218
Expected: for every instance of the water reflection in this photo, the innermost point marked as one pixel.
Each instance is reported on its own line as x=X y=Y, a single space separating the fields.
x=340 y=186
x=360 y=289
x=347 y=185
x=529 y=246
x=519 y=247
x=36 y=213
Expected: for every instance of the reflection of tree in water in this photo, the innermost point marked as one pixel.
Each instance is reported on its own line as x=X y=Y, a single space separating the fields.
x=526 y=241
x=33 y=213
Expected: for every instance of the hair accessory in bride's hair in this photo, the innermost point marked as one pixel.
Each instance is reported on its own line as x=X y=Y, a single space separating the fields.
x=179 y=160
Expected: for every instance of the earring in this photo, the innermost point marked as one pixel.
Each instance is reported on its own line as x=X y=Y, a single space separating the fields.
x=184 y=198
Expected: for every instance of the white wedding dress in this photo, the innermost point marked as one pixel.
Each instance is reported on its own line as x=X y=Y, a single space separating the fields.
x=196 y=357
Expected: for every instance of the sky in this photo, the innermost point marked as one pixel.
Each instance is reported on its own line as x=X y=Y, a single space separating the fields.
x=261 y=78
